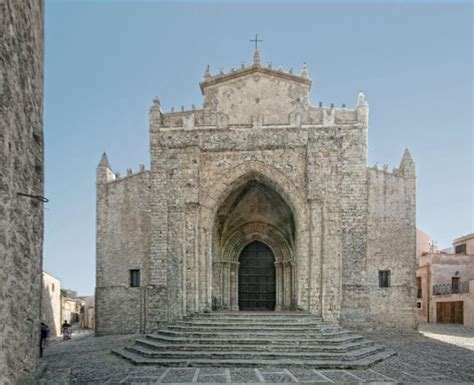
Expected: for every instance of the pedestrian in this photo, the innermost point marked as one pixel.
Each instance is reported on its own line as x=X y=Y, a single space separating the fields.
x=66 y=330
x=44 y=333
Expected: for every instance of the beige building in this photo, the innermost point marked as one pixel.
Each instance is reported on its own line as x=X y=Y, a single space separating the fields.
x=71 y=309
x=51 y=304
x=87 y=315
x=424 y=243
x=445 y=287
x=464 y=244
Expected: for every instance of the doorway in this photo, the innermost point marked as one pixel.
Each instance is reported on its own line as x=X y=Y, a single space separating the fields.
x=257 y=289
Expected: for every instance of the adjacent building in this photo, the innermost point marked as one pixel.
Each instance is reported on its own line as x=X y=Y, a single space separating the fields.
x=88 y=313
x=51 y=303
x=445 y=285
x=71 y=309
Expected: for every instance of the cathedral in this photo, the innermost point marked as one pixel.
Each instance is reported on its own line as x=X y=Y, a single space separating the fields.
x=256 y=201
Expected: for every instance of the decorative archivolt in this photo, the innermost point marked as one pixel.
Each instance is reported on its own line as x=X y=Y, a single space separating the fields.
x=235 y=177
x=256 y=231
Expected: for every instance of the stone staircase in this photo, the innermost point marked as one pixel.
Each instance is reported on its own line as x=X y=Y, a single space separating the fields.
x=254 y=339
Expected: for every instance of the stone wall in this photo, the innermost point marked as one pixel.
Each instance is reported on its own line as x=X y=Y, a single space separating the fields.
x=391 y=231
x=123 y=233
x=51 y=304
x=21 y=171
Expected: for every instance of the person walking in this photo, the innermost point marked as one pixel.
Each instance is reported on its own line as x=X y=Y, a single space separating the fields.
x=44 y=334
x=66 y=330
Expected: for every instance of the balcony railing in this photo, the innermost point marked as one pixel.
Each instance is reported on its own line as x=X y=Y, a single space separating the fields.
x=447 y=288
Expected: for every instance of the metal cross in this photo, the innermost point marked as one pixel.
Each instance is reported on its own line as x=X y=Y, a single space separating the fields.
x=255 y=41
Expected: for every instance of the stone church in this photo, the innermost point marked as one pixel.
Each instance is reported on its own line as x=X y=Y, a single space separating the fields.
x=257 y=201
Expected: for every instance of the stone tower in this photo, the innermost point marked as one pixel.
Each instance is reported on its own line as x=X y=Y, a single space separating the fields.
x=259 y=200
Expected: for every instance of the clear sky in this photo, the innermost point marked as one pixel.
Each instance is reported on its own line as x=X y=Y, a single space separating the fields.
x=106 y=60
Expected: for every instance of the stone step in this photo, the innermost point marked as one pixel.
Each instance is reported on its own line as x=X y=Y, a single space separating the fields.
x=255 y=317
x=255 y=323
x=359 y=363
x=246 y=355
x=342 y=347
x=254 y=333
x=252 y=340
x=249 y=328
x=251 y=321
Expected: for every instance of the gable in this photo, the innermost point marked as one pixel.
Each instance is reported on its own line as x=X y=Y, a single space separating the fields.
x=256 y=96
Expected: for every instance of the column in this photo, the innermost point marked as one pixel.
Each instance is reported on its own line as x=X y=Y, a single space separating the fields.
x=279 y=286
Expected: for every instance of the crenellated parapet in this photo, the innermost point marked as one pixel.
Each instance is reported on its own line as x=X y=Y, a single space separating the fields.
x=198 y=119
x=257 y=96
x=104 y=173
x=406 y=168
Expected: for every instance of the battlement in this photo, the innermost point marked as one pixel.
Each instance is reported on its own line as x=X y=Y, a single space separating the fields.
x=257 y=96
x=129 y=174
x=311 y=116
x=385 y=170
x=405 y=170
x=105 y=174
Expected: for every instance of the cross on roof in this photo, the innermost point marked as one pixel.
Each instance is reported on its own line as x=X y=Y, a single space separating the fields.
x=256 y=41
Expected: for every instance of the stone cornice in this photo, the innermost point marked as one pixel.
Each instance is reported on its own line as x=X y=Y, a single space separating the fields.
x=252 y=70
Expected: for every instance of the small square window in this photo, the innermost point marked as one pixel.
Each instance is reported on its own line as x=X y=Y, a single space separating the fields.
x=460 y=249
x=134 y=278
x=418 y=305
x=384 y=278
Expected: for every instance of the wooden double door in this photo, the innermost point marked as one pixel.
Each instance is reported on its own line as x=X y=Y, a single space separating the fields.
x=257 y=281
x=450 y=312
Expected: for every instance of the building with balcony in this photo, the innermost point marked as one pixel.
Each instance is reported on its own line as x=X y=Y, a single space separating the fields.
x=445 y=285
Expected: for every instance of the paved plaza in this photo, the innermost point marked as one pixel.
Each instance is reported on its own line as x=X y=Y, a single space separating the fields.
x=438 y=354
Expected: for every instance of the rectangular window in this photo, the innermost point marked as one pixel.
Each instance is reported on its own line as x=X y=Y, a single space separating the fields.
x=460 y=249
x=419 y=293
x=384 y=278
x=418 y=305
x=134 y=278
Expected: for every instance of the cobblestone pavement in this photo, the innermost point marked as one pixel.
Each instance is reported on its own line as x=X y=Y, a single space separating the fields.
x=446 y=358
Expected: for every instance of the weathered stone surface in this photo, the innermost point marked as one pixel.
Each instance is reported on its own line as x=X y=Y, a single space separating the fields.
x=21 y=171
x=258 y=163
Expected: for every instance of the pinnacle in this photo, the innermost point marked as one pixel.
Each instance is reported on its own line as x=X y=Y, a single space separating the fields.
x=407 y=156
x=256 y=58
x=207 y=73
x=407 y=165
x=104 y=161
x=304 y=72
x=361 y=101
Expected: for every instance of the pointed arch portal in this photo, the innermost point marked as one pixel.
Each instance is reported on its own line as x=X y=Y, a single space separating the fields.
x=253 y=248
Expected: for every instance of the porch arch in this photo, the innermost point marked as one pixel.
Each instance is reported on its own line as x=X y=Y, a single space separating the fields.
x=291 y=255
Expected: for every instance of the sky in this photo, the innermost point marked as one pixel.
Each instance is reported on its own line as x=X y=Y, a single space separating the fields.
x=106 y=60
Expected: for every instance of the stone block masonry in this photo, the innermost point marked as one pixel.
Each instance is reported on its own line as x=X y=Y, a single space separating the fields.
x=257 y=164
x=21 y=171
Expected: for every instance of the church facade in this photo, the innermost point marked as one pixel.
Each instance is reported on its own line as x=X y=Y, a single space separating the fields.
x=257 y=201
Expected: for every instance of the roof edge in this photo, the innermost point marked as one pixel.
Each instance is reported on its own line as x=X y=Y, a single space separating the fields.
x=254 y=69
